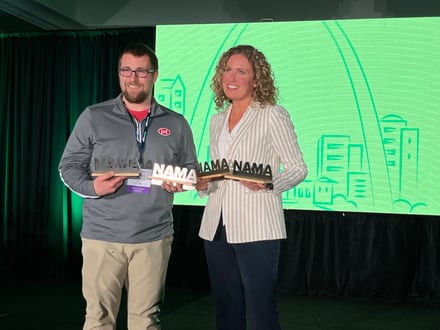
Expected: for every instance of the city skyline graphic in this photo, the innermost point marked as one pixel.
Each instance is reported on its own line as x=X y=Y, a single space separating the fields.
x=367 y=154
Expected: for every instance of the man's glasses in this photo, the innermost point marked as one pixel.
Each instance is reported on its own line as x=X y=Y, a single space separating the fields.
x=140 y=73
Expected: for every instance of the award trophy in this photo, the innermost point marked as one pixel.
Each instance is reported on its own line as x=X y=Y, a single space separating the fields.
x=174 y=174
x=213 y=170
x=120 y=166
x=246 y=171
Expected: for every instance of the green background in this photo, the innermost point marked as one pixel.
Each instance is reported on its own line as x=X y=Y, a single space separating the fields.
x=363 y=96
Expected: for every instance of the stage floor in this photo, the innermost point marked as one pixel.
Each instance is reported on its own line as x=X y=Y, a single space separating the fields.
x=37 y=304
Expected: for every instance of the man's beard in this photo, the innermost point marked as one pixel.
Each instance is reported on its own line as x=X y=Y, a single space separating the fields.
x=135 y=98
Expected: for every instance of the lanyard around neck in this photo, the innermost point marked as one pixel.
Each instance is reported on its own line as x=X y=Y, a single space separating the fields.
x=141 y=133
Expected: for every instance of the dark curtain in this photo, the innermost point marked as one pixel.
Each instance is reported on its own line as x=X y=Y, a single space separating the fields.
x=377 y=256
x=46 y=80
x=361 y=255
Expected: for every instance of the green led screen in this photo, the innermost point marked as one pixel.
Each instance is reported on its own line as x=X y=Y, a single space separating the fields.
x=364 y=96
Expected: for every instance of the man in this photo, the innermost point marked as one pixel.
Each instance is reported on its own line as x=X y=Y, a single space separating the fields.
x=127 y=222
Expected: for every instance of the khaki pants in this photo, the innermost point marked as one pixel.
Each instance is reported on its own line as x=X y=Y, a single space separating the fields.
x=107 y=267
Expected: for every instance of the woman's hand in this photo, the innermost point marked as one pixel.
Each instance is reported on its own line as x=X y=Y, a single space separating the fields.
x=202 y=184
x=254 y=186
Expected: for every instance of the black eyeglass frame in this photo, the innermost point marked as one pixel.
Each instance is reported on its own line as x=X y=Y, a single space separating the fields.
x=140 y=73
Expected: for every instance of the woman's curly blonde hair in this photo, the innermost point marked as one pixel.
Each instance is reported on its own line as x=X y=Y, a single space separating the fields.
x=265 y=92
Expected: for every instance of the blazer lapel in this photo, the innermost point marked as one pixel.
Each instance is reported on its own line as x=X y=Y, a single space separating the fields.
x=245 y=123
x=217 y=128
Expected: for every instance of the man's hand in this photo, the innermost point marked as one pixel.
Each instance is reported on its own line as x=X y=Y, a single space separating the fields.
x=107 y=183
x=172 y=186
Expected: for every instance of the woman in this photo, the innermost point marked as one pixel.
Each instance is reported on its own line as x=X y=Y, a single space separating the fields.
x=243 y=222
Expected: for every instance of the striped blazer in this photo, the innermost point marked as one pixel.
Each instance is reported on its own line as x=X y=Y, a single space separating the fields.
x=265 y=136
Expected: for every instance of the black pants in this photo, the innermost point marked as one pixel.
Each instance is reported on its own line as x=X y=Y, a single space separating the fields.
x=243 y=283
